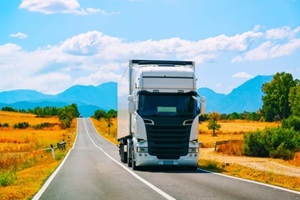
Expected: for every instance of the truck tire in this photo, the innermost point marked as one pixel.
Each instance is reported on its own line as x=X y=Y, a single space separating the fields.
x=123 y=154
x=134 y=167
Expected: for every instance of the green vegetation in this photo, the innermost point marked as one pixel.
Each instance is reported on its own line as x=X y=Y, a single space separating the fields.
x=4 y=125
x=108 y=116
x=272 y=142
x=21 y=125
x=7 y=177
x=67 y=114
x=251 y=116
x=280 y=102
x=213 y=122
x=281 y=97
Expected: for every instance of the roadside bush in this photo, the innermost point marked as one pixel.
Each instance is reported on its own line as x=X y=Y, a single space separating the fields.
x=272 y=142
x=291 y=122
x=254 y=145
x=7 y=178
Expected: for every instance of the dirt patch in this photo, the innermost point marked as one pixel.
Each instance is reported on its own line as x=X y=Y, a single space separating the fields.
x=276 y=166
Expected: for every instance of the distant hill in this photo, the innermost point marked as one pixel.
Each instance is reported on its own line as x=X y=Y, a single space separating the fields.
x=13 y=96
x=87 y=98
x=246 y=97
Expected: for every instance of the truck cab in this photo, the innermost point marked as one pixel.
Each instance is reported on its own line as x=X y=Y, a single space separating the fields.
x=162 y=114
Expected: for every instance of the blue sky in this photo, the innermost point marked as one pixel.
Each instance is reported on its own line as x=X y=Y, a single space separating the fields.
x=51 y=45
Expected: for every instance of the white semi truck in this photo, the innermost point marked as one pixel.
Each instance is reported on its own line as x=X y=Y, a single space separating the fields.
x=158 y=114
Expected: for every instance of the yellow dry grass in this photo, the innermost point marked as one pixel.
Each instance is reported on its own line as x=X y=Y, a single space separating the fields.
x=102 y=128
x=12 y=118
x=248 y=173
x=230 y=130
x=21 y=151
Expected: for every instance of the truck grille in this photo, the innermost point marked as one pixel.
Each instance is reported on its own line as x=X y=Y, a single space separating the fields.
x=168 y=142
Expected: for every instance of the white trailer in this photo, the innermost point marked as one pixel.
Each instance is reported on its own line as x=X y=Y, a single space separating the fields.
x=158 y=114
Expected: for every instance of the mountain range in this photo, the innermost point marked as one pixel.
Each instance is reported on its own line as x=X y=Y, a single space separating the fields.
x=246 y=97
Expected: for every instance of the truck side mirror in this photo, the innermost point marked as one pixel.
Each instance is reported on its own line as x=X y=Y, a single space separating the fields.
x=203 y=106
x=131 y=104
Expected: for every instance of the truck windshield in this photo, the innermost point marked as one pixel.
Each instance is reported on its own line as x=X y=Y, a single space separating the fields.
x=166 y=104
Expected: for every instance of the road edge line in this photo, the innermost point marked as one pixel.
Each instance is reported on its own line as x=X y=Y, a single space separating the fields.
x=251 y=181
x=52 y=176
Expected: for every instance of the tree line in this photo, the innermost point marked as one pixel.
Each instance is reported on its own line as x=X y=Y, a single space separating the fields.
x=65 y=114
x=107 y=116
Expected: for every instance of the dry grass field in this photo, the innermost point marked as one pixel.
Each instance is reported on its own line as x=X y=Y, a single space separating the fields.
x=24 y=165
x=109 y=133
x=230 y=130
x=229 y=160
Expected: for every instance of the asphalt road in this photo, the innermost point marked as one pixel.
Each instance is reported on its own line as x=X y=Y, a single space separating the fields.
x=92 y=170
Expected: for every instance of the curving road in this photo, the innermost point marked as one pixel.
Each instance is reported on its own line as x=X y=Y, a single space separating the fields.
x=92 y=170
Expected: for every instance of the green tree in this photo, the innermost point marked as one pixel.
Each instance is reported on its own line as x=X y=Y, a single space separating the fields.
x=7 y=108
x=67 y=114
x=294 y=98
x=98 y=114
x=65 y=118
x=108 y=118
x=234 y=116
x=213 y=122
x=276 y=96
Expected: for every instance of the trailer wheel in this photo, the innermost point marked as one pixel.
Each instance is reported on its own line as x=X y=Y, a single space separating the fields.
x=123 y=154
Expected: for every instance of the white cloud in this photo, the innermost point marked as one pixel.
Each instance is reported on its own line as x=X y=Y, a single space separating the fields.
x=60 y=6
x=18 y=35
x=273 y=47
x=269 y=50
x=282 y=32
x=256 y=28
x=242 y=75
x=95 y=58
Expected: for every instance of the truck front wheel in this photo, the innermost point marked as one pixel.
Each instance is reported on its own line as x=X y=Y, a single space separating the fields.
x=132 y=160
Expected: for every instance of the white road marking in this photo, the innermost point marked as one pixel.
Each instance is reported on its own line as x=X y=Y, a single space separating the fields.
x=131 y=172
x=47 y=183
x=250 y=181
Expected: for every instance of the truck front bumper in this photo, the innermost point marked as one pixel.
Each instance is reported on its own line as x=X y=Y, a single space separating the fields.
x=144 y=159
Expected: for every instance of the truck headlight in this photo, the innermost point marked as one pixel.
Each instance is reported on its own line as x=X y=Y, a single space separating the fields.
x=142 y=149
x=193 y=150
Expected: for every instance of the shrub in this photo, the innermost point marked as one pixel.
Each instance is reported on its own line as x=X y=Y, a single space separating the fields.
x=21 y=125
x=43 y=125
x=272 y=142
x=7 y=178
x=291 y=122
x=254 y=145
